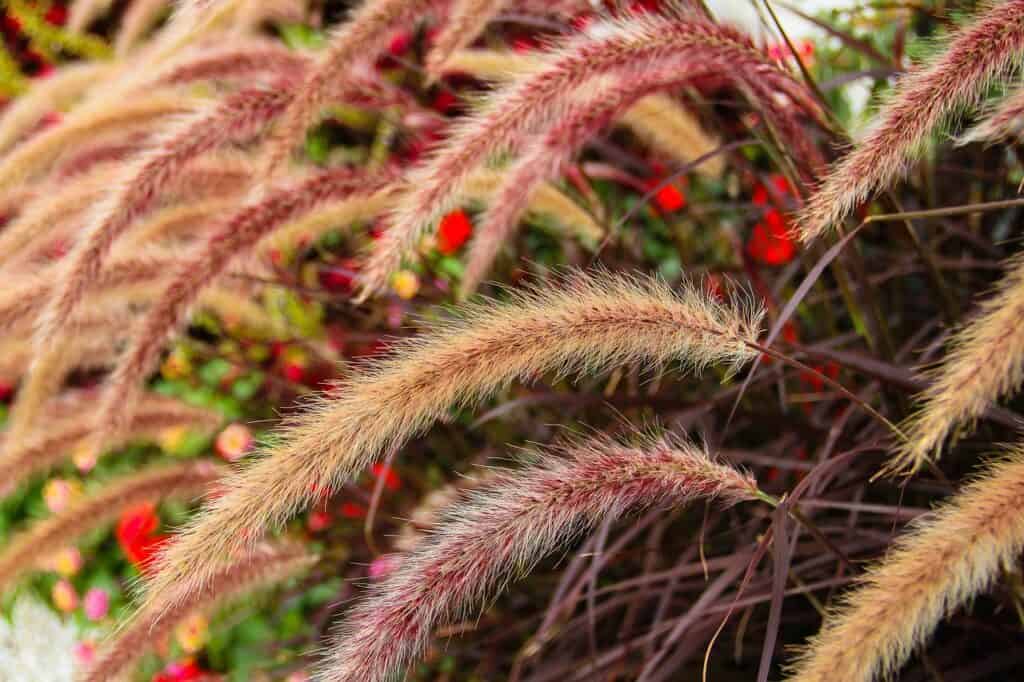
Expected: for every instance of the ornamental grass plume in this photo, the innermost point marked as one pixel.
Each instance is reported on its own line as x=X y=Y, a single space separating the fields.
x=541 y=161
x=583 y=323
x=945 y=560
x=981 y=52
x=43 y=538
x=47 y=448
x=502 y=531
x=622 y=49
x=268 y=564
x=985 y=362
x=237 y=235
x=238 y=60
x=547 y=200
x=51 y=212
x=360 y=38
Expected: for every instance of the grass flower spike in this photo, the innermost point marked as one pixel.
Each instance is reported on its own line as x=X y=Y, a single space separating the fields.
x=503 y=530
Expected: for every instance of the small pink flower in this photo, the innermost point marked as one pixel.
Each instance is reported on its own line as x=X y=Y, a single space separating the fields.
x=85 y=653
x=67 y=562
x=234 y=442
x=96 y=604
x=84 y=458
x=59 y=493
x=383 y=566
x=64 y=596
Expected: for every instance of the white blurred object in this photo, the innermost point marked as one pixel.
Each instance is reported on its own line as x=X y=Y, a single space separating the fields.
x=36 y=645
x=743 y=14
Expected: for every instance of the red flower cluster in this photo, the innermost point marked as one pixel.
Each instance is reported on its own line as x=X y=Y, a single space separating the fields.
x=771 y=242
x=137 y=536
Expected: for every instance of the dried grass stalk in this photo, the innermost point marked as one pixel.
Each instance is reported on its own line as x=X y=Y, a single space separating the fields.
x=41 y=540
x=81 y=13
x=501 y=532
x=944 y=561
x=985 y=362
x=585 y=323
x=269 y=564
x=981 y=52
x=140 y=17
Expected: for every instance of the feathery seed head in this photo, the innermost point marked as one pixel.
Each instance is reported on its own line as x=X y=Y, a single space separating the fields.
x=584 y=323
x=500 y=532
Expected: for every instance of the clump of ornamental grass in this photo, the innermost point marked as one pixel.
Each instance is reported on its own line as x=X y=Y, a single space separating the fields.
x=266 y=565
x=503 y=530
x=945 y=560
x=982 y=52
x=586 y=323
x=37 y=543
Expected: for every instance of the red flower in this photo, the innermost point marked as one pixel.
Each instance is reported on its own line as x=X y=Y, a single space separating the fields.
x=391 y=480
x=318 y=521
x=455 y=229
x=830 y=369
x=771 y=243
x=444 y=101
x=339 y=278
x=57 y=15
x=761 y=195
x=352 y=510
x=136 y=534
x=669 y=198
x=523 y=44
